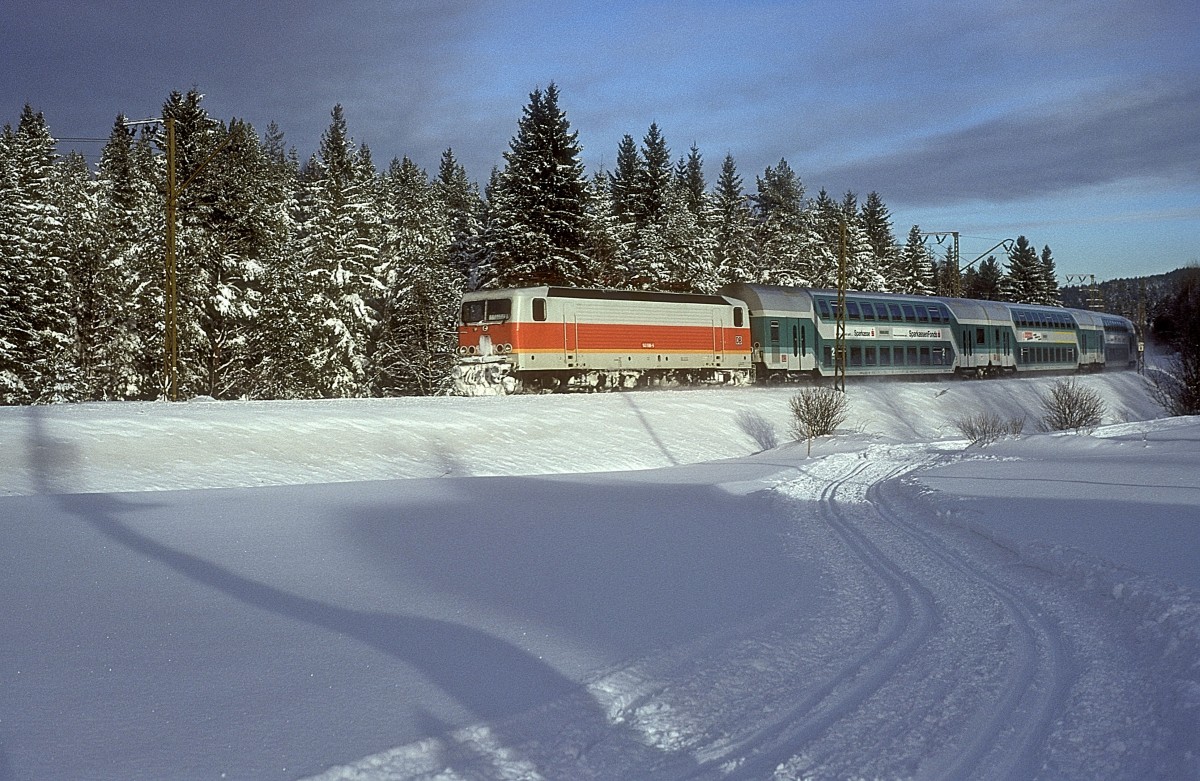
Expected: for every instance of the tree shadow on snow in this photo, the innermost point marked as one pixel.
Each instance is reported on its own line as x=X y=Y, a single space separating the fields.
x=492 y=678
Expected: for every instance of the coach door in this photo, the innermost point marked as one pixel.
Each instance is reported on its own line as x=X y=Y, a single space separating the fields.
x=570 y=334
x=718 y=338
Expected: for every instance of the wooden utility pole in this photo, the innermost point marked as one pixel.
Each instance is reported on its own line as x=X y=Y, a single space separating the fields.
x=170 y=290
x=170 y=277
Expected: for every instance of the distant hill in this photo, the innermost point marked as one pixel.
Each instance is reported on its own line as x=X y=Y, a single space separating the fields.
x=1120 y=296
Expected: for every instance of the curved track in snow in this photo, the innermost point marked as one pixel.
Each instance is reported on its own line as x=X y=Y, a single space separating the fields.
x=940 y=655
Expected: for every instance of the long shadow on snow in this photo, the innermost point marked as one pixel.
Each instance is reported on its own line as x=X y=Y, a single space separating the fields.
x=493 y=678
x=620 y=566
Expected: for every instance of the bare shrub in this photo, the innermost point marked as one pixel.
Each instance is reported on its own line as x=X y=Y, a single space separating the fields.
x=1176 y=386
x=987 y=427
x=1071 y=407
x=817 y=412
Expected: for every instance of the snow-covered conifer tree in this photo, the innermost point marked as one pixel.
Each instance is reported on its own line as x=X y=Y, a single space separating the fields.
x=42 y=287
x=459 y=199
x=537 y=225
x=1050 y=294
x=420 y=293
x=782 y=234
x=1025 y=281
x=339 y=254
x=734 y=259
x=915 y=266
x=877 y=221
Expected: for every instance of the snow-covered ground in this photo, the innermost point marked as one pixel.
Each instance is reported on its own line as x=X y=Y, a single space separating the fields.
x=625 y=586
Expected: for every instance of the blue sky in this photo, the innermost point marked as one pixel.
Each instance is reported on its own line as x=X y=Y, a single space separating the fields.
x=1076 y=124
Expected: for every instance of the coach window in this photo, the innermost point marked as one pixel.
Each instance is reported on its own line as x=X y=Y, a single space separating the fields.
x=922 y=314
x=935 y=314
x=823 y=307
x=882 y=311
x=852 y=312
x=925 y=358
x=896 y=314
x=871 y=360
x=909 y=313
x=737 y=317
x=868 y=311
x=885 y=356
x=980 y=336
x=856 y=356
x=912 y=356
x=539 y=309
x=774 y=332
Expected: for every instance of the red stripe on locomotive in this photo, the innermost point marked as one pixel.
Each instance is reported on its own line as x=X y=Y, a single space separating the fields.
x=608 y=337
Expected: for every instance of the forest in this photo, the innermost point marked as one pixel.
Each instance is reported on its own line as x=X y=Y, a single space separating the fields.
x=332 y=277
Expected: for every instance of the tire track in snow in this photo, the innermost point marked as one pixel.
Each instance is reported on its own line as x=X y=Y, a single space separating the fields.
x=1007 y=732
x=1015 y=728
x=911 y=619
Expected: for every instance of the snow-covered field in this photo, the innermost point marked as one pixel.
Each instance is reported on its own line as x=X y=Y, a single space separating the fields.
x=625 y=586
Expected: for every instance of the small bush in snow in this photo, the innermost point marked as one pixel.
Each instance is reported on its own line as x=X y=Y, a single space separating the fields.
x=987 y=427
x=817 y=412
x=1071 y=407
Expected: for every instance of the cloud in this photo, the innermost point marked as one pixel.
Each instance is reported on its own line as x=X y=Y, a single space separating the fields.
x=1120 y=134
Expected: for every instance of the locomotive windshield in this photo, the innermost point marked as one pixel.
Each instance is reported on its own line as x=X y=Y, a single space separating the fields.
x=488 y=310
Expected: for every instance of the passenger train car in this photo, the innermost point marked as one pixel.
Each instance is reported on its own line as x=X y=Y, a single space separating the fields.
x=557 y=338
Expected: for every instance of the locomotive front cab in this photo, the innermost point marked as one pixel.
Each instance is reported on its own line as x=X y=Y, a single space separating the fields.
x=485 y=327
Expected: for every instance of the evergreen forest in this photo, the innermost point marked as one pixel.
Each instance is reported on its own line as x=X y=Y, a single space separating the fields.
x=333 y=276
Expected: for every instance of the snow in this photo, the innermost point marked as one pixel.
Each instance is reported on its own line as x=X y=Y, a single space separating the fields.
x=634 y=585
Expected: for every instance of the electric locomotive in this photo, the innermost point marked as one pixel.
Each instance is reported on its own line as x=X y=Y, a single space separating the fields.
x=558 y=338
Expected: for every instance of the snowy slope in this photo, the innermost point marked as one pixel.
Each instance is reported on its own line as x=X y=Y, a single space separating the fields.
x=646 y=585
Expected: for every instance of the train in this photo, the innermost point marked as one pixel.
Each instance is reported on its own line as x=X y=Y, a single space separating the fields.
x=553 y=338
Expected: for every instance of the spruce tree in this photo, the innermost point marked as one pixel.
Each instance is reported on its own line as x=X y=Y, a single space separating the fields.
x=459 y=200
x=827 y=218
x=862 y=268
x=537 y=231
x=419 y=296
x=339 y=254
x=652 y=249
x=91 y=277
x=781 y=238
x=605 y=233
x=984 y=283
x=131 y=217
x=949 y=276
x=733 y=240
x=877 y=221
x=916 y=268
x=1024 y=282
x=45 y=343
x=1050 y=294
x=277 y=348
x=15 y=321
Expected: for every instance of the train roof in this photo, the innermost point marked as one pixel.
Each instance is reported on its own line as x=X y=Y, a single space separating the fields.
x=770 y=298
x=602 y=294
x=782 y=298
